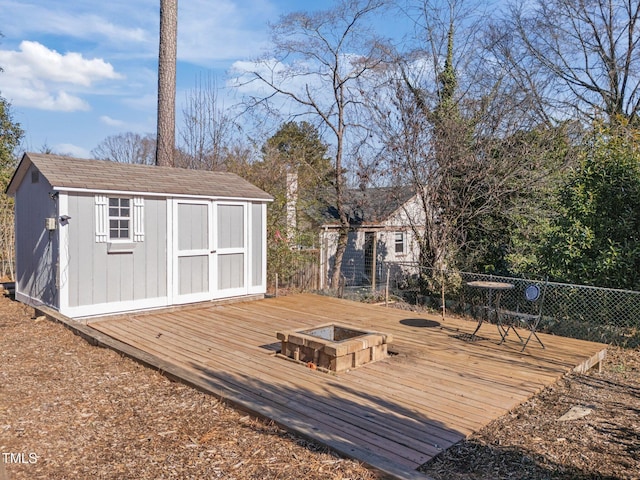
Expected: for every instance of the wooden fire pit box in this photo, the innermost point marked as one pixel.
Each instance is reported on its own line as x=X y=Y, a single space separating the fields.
x=334 y=347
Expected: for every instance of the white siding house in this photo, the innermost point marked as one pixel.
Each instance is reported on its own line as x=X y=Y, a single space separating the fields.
x=383 y=223
x=96 y=237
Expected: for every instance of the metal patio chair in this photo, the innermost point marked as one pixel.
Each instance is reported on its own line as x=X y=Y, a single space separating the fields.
x=527 y=315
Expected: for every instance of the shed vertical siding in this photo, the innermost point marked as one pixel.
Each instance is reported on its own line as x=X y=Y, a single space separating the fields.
x=193 y=230
x=120 y=277
x=195 y=237
x=97 y=277
x=232 y=247
x=194 y=275
x=36 y=247
x=231 y=271
x=154 y=262
x=193 y=248
x=231 y=226
x=257 y=241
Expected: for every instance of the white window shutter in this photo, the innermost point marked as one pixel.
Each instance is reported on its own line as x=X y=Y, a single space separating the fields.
x=138 y=219
x=102 y=218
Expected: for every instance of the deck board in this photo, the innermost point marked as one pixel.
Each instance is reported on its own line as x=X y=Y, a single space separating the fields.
x=394 y=414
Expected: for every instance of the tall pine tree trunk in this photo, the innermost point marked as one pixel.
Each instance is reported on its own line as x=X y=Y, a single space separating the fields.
x=167 y=82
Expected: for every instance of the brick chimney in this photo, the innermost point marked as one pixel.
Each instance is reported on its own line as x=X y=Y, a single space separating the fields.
x=292 y=200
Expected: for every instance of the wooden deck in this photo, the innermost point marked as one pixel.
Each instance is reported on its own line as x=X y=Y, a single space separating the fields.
x=394 y=414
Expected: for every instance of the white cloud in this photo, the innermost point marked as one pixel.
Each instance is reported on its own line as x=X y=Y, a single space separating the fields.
x=38 y=77
x=222 y=30
x=140 y=125
x=112 y=122
x=294 y=77
x=124 y=24
x=71 y=150
x=207 y=31
x=242 y=75
x=88 y=26
x=60 y=101
x=70 y=68
x=143 y=103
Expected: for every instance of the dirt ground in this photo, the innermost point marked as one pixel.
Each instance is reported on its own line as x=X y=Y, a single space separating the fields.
x=69 y=410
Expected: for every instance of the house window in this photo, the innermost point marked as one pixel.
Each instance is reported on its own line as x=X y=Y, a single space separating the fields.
x=399 y=242
x=119 y=218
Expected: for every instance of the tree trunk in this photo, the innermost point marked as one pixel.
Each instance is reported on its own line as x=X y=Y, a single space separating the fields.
x=343 y=237
x=167 y=82
x=337 y=264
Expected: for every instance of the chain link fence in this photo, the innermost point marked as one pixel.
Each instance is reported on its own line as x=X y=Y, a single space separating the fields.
x=590 y=313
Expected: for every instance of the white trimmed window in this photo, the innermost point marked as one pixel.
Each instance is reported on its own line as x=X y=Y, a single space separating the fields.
x=399 y=240
x=119 y=219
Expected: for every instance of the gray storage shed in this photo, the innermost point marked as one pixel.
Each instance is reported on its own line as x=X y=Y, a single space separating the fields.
x=96 y=237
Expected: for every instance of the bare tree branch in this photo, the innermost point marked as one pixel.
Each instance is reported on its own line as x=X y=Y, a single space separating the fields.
x=317 y=58
x=586 y=53
x=127 y=147
x=207 y=129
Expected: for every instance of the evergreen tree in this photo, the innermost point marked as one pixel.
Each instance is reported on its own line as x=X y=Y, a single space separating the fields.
x=295 y=151
x=10 y=136
x=596 y=237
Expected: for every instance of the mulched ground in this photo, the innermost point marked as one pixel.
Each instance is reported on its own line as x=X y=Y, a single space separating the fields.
x=88 y=412
x=533 y=442
x=69 y=410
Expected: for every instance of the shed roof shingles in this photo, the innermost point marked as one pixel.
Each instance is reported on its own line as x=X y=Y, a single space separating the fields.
x=67 y=172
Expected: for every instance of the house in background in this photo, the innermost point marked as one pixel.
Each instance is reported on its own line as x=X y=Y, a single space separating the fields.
x=381 y=233
x=96 y=237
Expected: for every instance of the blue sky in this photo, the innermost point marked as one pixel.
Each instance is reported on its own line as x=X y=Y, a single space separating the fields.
x=77 y=71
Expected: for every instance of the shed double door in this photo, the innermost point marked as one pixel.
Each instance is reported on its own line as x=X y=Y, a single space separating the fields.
x=210 y=250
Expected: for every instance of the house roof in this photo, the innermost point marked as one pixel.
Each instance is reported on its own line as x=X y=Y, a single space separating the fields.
x=67 y=173
x=369 y=206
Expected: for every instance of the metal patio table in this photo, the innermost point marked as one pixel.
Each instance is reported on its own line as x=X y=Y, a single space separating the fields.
x=493 y=302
